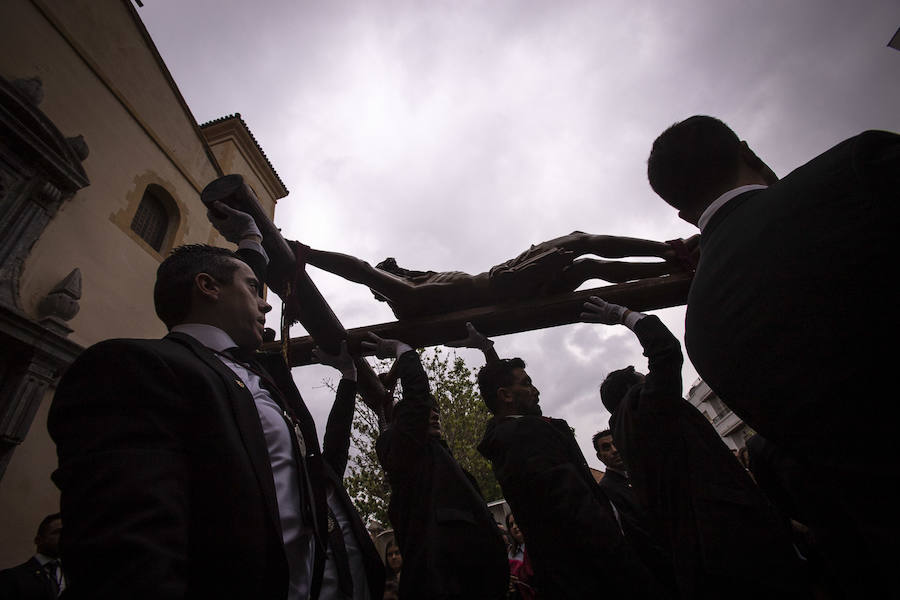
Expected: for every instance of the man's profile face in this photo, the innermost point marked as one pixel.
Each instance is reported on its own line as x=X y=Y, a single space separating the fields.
x=434 y=423
x=47 y=542
x=608 y=454
x=525 y=396
x=241 y=310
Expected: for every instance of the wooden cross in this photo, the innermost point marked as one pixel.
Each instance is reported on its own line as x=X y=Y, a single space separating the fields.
x=327 y=332
x=537 y=313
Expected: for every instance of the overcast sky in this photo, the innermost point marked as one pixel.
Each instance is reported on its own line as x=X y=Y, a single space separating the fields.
x=452 y=135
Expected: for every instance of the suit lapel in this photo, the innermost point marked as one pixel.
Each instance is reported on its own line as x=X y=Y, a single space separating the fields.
x=246 y=417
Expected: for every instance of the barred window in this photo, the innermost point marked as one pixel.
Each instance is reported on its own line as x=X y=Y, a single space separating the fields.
x=151 y=221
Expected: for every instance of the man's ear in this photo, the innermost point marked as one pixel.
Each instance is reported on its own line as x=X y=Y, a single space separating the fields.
x=207 y=286
x=757 y=165
x=504 y=396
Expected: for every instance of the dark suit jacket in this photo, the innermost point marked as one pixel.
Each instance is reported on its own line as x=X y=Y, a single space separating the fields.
x=640 y=531
x=574 y=542
x=450 y=543
x=165 y=480
x=27 y=581
x=166 y=486
x=791 y=311
x=721 y=529
x=336 y=453
x=791 y=320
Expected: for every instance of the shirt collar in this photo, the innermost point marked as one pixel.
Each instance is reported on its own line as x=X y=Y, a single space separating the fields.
x=209 y=335
x=721 y=200
x=43 y=559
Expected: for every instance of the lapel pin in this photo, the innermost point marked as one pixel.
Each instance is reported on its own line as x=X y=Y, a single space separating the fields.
x=239 y=383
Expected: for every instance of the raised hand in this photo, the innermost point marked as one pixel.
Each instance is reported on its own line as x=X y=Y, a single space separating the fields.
x=475 y=339
x=234 y=225
x=683 y=252
x=381 y=347
x=342 y=361
x=597 y=310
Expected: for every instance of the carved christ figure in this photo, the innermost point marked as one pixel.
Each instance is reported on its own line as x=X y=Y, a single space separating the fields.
x=551 y=267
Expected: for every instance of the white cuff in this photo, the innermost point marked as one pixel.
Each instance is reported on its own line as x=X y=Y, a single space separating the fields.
x=632 y=319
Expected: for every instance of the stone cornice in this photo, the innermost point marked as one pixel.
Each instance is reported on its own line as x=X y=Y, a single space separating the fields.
x=233 y=127
x=33 y=137
x=19 y=327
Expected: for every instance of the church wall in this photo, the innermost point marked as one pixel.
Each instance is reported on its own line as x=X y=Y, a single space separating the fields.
x=92 y=231
x=104 y=84
x=229 y=155
x=27 y=494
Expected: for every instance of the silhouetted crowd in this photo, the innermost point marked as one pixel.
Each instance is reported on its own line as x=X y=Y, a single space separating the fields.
x=189 y=467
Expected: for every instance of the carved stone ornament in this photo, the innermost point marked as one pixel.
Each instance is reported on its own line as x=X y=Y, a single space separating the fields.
x=79 y=147
x=32 y=89
x=40 y=169
x=61 y=304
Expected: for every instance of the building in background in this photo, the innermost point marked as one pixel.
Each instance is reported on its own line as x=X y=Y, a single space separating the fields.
x=732 y=430
x=101 y=169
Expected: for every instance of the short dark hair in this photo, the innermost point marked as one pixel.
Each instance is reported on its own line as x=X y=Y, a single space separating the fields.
x=616 y=385
x=46 y=522
x=175 y=278
x=598 y=435
x=495 y=375
x=699 y=155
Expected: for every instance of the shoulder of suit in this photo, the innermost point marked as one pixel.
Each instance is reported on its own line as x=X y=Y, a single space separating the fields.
x=130 y=347
x=124 y=344
x=522 y=423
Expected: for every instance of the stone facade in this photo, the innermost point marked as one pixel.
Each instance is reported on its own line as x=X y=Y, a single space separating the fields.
x=90 y=121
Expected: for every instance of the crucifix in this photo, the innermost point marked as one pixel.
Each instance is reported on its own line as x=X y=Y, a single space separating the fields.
x=433 y=308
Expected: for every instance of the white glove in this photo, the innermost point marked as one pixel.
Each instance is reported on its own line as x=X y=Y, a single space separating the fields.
x=342 y=361
x=384 y=348
x=597 y=310
x=235 y=225
x=475 y=339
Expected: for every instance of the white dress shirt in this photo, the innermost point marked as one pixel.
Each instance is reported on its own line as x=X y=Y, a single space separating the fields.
x=298 y=541
x=59 y=575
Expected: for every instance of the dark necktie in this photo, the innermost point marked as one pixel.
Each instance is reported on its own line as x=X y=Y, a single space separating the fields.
x=248 y=360
x=51 y=569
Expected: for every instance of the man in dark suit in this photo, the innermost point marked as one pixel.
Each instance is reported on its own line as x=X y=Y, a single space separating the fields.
x=637 y=527
x=575 y=543
x=722 y=532
x=449 y=541
x=778 y=319
x=189 y=467
x=41 y=576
